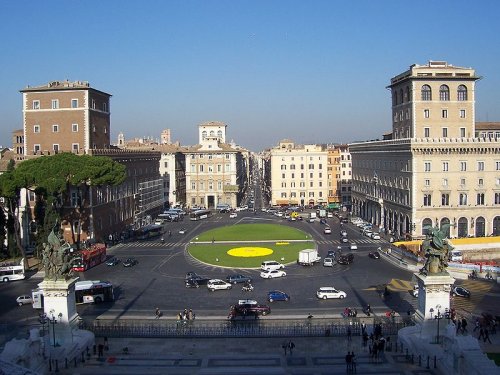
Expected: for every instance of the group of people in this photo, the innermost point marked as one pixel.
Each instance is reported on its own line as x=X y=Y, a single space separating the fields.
x=186 y=315
x=350 y=361
x=350 y=312
x=288 y=346
x=485 y=327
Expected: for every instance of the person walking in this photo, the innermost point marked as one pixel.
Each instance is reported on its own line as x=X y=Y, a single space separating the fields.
x=478 y=325
x=486 y=335
x=481 y=333
x=284 y=346
x=348 y=360
x=349 y=334
x=464 y=325
x=459 y=326
x=157 y=313
x=353 y=362
x=291 y=345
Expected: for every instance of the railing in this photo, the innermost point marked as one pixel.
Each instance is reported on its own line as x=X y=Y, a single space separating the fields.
x=238 y=328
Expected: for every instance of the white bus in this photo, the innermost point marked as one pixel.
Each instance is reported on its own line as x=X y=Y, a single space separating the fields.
x=200 y=214
x=12 y=271
x=88 y=291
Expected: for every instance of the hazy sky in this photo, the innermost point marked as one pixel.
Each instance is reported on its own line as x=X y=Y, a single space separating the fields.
x=312 y=71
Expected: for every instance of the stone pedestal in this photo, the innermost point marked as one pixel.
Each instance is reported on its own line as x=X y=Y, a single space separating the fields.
x=60 y=308
x=433 y=293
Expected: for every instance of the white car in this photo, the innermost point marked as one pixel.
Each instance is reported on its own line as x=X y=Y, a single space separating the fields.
x=24 y=300
x=327 y=230
x=271 y=274
x=218 y=284
x=233 y=215
x=328 y=262
x=353 y=246
x=375 y=236
x=330 y=292
x=270 y=265
x=182 y=231
x=368 y=233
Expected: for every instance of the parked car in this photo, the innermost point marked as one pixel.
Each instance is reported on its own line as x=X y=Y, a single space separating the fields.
x=328 y=262
x=246 y=307
x=374 y=255
x=272 y=274
x=130 y=262
x=345 y=259
x=218 y=284
x=460 y=291
x=353 y=246
x=277 y=295
x=24 y=300
x=271 y=265
x=238 y=278
x=233 y=215
x=327 y=230
x=113 y=261
x=330 y=292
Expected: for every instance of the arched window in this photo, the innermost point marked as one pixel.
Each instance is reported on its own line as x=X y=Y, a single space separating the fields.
x=426 y=92
x=401 y=96
x=426 y=226
x=219 y=134
x=395 y=98
x=407 y=94
x=212 y=133
x=444 y=93
x=462 y=93
x=203 y=134
x=480 y=227
x=463 y=228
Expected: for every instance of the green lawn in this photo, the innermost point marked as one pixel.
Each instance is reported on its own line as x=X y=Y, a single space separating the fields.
x=250 y=235
x=252 y=232
x=216 y=253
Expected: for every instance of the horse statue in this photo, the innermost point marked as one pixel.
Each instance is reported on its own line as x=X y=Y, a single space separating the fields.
x=437 y=249
x=57 y=259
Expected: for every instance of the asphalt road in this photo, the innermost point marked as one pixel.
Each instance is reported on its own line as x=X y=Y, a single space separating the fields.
x=158 y=279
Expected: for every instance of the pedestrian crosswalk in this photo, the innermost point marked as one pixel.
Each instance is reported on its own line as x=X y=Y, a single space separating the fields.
x=356 y=241
x=148 y=244
x=478 y=289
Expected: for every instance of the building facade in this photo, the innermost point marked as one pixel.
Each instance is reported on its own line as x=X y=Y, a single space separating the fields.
x=65 y=116
x=433 y=171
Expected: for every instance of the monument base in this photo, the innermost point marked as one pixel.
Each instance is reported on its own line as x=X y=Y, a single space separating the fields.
x=433 y=295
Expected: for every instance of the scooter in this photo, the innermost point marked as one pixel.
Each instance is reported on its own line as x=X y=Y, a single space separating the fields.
x=473 y=275
x=247 y=288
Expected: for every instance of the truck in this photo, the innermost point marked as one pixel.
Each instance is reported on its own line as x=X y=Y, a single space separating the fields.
x=312 y=217
x=322 y=213
x=308 y=257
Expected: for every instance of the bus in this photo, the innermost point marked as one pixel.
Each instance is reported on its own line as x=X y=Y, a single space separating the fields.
x=90 y=257
x=200 y=214
x=148 y=231
x=12 y=271
x=89 y=291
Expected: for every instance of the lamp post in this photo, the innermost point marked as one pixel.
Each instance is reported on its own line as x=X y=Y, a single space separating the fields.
x=53 y=321
x=438 y=317
x=42 y=318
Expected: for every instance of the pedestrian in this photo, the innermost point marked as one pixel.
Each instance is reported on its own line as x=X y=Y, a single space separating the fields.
x=478 y=325
x=353 y=362
x=481 y=333
x=157 y=313
x=464 y=325
x=191 y=315
x=284 y=346
x=291 y=345
x=162 y=240
x=459 y=326
x=170 y=233
x=348 y=360
x=365 y=339
x=213 y=239
x=349 y=334
x=106 y=346
x=363 y=328
x=486 y=336
x=100 y=350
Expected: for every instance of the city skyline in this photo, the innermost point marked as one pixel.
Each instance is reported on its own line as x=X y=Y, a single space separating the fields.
x=313 y=74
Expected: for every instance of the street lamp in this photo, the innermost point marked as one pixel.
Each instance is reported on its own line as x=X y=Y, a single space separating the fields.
x=437 y=317
x=53 y=321
x=42 y=318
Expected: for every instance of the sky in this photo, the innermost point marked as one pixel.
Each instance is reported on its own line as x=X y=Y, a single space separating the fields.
x=310 y=71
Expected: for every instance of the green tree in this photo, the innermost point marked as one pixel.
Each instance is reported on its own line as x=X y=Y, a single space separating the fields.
x=52 y=177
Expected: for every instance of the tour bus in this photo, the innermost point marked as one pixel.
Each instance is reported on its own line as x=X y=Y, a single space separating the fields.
x=89 y=257
x=148 y=231
x=12 y=271
x=200 y=214
x=88 y=291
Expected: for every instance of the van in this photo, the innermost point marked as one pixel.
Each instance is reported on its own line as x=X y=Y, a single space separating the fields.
x=271 y=265
x=456 y=256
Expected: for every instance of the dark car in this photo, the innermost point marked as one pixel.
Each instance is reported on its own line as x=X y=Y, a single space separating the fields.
x=460 y=291
x=113 y=262
x=247 y=307
x=277 y=295
x=129 y=262
x=238 y=278
x=200 y=280
x=374 y=255
x=345 y=259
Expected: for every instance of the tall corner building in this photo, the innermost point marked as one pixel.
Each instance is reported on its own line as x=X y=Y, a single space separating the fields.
x=432 y=170
x=65 y=116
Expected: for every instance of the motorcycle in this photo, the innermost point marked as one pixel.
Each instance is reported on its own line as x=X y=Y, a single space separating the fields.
x=473 y=275
x=368 y=310
x=247 y=288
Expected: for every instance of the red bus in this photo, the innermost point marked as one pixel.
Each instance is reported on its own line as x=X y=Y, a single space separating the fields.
x=90 y=257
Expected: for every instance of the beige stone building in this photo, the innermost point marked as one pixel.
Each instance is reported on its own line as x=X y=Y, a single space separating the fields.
x=299 y=174
x=434 y=170
x=65 y=116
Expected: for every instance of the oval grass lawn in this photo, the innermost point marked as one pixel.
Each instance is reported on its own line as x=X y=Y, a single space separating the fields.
x=283 y=242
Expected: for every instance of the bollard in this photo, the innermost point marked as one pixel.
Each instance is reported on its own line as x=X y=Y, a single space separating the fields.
x=57 y=365
x=50 y=364
x=435 y=363
x=428 y=364
x=419 y=360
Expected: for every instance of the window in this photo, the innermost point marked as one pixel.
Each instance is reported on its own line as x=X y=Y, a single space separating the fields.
x=462 y=181
x=426 y=93
x=55 y=103
x=55 y=128
x=427 y=182
x=75 y=147
x=445 y=199
x=445 y=132
x=105 y=107
x=427 y=113
x=444 y=182
x=445 y=166
x=444 y=93
x=36 y=104
x=74 y=103
x=55 y=147
x=427 y=166
x=427 y=132
x=462 y=199
x=462 y=132
x=462 y=113
x=74 y=128
x=201 y=168
x=36 y=128
x=462 y=93
x=36 y=148
x=463 y=166
x=480 y=182
x=497 y=198
x=444 y=113
x=427 y=200
x=497 y=165
x=193 y=185
x=282 y=175
x=92 y=104
x=480 y=165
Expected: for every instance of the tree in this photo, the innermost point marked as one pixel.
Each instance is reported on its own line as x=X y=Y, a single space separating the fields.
x=52 y=177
